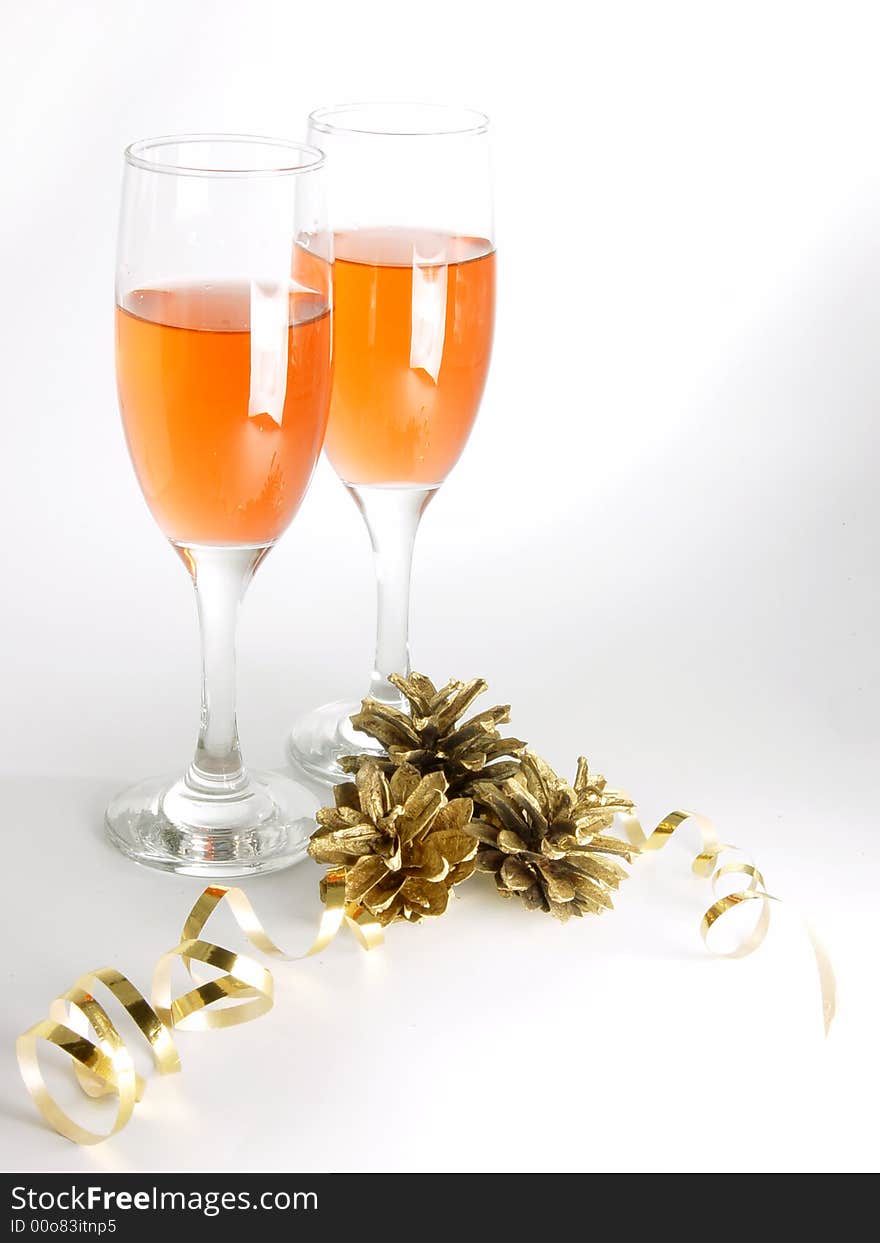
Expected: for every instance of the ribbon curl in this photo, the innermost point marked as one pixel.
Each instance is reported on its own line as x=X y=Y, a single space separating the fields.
x=706 y=864
x=103 y=1066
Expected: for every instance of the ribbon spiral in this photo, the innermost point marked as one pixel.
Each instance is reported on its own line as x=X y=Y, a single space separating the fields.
x=103 y=1066
x=706 y=863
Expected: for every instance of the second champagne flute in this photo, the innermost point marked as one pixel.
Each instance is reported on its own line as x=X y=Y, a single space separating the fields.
x=410 y=207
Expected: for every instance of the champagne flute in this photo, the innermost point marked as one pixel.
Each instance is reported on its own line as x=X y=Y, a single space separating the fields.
x=410 y=203
x=223 y=348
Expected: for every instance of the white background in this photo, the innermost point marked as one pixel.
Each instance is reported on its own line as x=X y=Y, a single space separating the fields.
x=660 y=545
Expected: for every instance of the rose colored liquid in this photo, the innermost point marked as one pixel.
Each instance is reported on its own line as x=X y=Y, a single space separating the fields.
x=413 y=320
x=213 y=472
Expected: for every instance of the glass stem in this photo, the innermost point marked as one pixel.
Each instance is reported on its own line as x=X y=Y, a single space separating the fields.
x=392 y=515
x=220 y=577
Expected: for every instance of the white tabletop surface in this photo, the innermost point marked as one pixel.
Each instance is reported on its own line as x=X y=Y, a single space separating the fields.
x=660 y=546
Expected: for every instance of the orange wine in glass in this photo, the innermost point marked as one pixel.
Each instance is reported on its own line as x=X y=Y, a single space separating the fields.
x=223 y=357
x=414 y=321
x=212 y=469
x=411 y=211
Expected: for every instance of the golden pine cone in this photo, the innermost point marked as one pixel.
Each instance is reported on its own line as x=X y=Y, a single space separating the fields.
x=431 y=738
x=402 y=842
x=543 y=839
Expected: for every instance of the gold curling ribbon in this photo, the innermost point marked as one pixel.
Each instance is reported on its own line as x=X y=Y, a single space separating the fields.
x=103 y=1066
x=706 y=863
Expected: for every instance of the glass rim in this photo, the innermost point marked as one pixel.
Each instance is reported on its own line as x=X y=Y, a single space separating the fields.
x=470 y=120
x=135 y=155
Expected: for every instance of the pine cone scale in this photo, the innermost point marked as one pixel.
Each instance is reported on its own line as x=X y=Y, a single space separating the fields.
x=516 y=875
x=361 y=876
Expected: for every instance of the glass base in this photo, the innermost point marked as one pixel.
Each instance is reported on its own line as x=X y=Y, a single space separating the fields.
x=318 y=739
x=260 y=825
